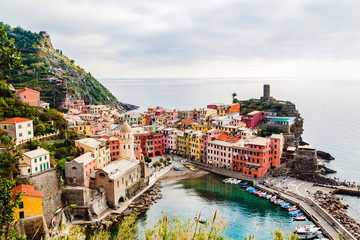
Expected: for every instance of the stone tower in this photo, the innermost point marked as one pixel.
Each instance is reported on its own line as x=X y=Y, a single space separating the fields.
x=126 y=142
x=266 y=91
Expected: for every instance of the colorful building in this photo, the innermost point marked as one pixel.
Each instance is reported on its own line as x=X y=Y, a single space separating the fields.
x=34 y=162
x=253 y=119
x=30 y=202
x=102 y=152
x=29 y=96
x=17 y=128
x=194 y=145
x=256 y=156
x=79 y=170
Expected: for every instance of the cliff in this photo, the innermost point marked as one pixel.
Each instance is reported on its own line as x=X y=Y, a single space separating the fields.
x=56 y=76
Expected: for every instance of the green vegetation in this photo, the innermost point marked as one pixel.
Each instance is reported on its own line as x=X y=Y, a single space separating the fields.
x=44 y=122
x=157 y=164
x=8 y=203
x=269 y=131
x=41 y=62
x=167 y=229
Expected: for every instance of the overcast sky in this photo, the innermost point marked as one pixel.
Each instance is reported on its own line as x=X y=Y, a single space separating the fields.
x=207 y=38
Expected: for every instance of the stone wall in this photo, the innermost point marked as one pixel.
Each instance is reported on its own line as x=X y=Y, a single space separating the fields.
x=47 y=183
x=31 y=226
x=306 y=160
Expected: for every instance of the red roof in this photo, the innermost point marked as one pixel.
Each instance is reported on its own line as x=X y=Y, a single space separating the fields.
x=16 y=120
x=26 y=89
x=228 y=138
x=187 y=120
x=26 y=190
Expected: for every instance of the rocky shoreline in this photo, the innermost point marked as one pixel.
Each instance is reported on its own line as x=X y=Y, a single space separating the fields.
x=333 y=205
x=138 y=206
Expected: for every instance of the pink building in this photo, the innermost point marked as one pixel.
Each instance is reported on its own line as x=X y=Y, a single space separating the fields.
x=220 y=154
x=204 y=141
x=79 y=170
x=169 y=140
x=253 y=119
x=29 y=96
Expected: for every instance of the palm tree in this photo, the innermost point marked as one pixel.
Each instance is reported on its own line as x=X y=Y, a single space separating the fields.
x=234 y=95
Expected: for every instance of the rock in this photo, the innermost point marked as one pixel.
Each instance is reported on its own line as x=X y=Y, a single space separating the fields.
x=324 y=155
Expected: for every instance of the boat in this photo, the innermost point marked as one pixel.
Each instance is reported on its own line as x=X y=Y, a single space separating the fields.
x=180 y=169
x=201 y=220
x=308 y=232
x=176 y=169
x=299 y=218
x=192 y=169
x=243 y=184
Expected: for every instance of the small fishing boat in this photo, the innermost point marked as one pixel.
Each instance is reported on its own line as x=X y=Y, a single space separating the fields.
x=201 y=220
x=299 y=218
x=308 y=232
x=176 y=169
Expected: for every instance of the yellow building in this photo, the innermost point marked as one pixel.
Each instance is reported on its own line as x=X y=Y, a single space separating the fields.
x=102 y=152
x=200 y=127
x=194 y=145
x=83 y=129
x=30 y=202
x=183 y=139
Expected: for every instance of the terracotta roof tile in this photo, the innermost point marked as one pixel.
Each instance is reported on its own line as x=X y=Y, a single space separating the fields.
x=26 y=190
x=16 y=120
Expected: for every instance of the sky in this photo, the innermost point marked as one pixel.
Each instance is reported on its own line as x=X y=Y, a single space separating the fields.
x=199 y=38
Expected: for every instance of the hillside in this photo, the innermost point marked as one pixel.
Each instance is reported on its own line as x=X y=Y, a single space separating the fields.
x=53 y=74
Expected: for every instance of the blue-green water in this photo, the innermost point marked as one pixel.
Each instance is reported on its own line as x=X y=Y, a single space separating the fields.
x=244 y=213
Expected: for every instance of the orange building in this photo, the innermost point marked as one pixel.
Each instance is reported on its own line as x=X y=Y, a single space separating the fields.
x=233 y=108
x=30 y=96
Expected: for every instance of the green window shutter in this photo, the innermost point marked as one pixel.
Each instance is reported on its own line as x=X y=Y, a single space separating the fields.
x=35 y=160
x=36 y=169
x=41 y=167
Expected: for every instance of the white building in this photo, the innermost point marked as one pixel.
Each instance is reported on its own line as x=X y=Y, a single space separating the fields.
x=19 y=128
x=35 y=161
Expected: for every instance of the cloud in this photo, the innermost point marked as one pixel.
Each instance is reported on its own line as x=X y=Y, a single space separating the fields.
x=181 y=38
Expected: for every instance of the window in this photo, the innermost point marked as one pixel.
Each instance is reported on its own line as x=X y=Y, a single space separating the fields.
x=20 y=134
x=40 y=159
x=102 y=175
x=21 y=205
x=41 y=168
x=47 y=165
x=5 y=127
x=21 y=215
x=29 y=170
x=45 y=157
x=36 y=169
x=35 y=160
x=19 y=126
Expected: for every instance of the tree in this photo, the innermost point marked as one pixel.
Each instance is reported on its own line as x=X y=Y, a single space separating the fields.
x=234 y=98
x=8 y=203
x=9 y=56
x=9 y=161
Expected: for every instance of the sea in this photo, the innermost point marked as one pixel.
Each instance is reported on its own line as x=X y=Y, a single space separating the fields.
x=330 y=108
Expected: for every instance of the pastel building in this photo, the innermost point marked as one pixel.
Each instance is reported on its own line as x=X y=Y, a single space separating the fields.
x=194 y=146
x=101 y=151
x=34 y=162
x=220 y=154
x=253 y=118
x=254 y=157
x=29 y=96
x=79 y=170
x=30 y=202
x=17 y=128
